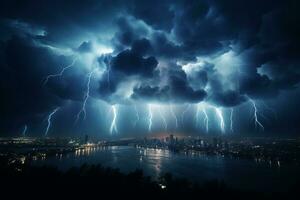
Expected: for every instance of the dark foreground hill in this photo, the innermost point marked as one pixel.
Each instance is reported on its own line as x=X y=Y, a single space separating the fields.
x=97 y=182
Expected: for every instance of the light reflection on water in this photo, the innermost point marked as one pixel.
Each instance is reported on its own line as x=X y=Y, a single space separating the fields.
x=154 y=162
x=153 y=157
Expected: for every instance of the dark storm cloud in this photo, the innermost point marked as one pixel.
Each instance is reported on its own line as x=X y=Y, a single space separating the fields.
x=199 y=77
x=275 y=51
x=228 y=98
x=258 y=86
x=129 y=30
x=132 y=32
x=218 y=91
x=110 y=81
x=23 y=95
x=198 y=30
x=199 y=27
x=11 y=27
x=165 y=48
x=181 y=90
x=210 y=28
x=141 y=47
x=70 y=87
x=176 y=93
x=176 y=90
x=159 y=13
x=147 y=38
x=131 y=62
x=66 y=21
x=265 y=32
x=126 y=64
x=150 y=93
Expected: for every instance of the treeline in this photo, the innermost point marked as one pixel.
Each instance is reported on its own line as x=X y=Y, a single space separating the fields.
x=96 y=181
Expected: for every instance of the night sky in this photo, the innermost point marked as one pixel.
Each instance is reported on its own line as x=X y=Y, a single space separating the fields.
x=135 y=68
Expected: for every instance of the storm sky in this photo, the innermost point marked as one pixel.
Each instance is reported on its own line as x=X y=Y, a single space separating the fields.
x=134 y=68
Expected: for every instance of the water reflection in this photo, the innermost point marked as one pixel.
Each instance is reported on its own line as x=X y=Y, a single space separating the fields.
x=155 y=157
x=192 y=165
x=88 y=150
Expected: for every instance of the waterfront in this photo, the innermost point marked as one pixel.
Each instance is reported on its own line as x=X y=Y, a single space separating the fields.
x=238 y=173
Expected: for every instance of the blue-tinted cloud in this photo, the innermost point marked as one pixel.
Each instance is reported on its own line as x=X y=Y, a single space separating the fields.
x=183 y=52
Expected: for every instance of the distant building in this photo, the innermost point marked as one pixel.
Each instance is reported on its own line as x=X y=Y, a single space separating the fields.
x=172 y=140
x=86 y=139
x=167 y=140
x=215 y=142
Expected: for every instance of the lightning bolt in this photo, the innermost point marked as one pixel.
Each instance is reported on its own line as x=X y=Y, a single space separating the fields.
x=60 y=73
x=200 y=107
x=24 y=130
x=220 y=115
x=49 y=119
x=108 y=74
x=184 y=111
x=86 y=97
x=150 y=117
x=113 y=126
x=205 y=119
x=137 y=116
x=163 y=119
x=257 y=122
x=197 y=115
x=231 y=119
x=174 y=115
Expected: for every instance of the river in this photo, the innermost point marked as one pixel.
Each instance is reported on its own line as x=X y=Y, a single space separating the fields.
x=238 y=173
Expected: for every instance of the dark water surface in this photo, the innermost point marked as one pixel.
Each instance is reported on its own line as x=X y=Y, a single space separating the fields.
x=246 y=174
